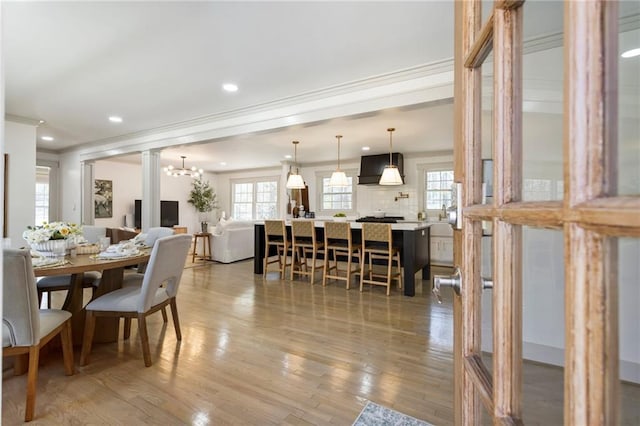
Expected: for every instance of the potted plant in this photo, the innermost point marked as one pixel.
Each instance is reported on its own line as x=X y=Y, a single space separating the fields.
x=340 y=217
x=203 y=199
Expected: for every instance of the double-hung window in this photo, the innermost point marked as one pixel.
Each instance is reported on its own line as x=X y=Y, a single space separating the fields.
x=42 y=195
x=336 y=199
x=435 y=186
x=255 y=199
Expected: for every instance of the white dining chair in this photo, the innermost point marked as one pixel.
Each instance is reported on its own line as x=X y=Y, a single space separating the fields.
x=158 y=232
x=25 y=328
x=159 y=289
x=93 y=233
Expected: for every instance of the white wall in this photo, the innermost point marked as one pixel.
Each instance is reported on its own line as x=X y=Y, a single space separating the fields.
x=20 y=144
x=127 y=187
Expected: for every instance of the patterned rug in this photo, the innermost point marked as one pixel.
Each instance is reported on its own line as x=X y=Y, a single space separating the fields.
x=376 y=415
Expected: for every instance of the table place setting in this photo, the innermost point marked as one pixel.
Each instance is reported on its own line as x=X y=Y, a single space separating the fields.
x=119 y=251
x=47 y=262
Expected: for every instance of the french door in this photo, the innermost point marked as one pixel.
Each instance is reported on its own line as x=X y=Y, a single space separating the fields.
x=591 y=214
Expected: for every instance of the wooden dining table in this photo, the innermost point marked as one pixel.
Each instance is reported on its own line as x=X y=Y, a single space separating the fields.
x=112 y=275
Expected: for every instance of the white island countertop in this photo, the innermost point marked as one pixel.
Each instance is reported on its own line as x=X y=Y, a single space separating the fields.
x=401 y=225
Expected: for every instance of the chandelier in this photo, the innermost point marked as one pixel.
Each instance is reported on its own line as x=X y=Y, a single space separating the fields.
x=183 y=171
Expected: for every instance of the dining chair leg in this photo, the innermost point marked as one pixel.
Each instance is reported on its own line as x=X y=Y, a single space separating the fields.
x=87 y=339
x=32 y=381
x=176 y=321
x=67 y=348
x=164 y=315
x=127 y=328
x=144 y=339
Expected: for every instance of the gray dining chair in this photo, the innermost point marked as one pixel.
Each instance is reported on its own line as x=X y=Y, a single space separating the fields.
x=25 y=328
x=90 y=279
x=159 y=288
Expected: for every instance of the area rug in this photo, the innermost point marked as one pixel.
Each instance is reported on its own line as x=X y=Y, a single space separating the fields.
x=376 y=415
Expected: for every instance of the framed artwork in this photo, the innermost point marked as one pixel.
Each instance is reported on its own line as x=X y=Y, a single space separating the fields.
x=103 y=198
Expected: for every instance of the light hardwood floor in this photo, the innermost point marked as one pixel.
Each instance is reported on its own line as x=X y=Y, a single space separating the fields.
x=275 y=352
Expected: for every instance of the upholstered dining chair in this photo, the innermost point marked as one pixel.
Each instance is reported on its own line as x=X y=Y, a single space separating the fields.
x=377 y=243
x=159 y=288
x=90 y=279
x=305 y=248
x=158 y=232
x=338 y=242
x=26 y=328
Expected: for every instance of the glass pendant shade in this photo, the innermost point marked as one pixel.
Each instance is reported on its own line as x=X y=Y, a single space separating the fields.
x=338 y=178
x=390 y=174
x=295 y=181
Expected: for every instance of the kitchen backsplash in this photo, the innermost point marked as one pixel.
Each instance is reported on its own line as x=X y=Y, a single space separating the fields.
x=373 y=197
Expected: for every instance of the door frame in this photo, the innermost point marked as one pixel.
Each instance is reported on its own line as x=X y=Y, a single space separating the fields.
x=591 y=215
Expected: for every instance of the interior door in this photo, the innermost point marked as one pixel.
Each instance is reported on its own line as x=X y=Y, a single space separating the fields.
x=591 y=215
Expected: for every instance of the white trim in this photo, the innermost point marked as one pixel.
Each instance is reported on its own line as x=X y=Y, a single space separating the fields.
x=426 y=83
x=437 y=164
x=54 y=187
x=253 y=181
x=319 y=176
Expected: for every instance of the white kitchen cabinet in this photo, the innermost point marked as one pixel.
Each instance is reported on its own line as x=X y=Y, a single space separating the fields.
x=441 y=244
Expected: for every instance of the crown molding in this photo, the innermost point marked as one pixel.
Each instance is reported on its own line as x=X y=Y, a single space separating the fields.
x=23 y=120
x=414 y=85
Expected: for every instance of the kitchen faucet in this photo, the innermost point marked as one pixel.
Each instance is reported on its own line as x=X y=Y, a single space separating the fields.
x=443 y=215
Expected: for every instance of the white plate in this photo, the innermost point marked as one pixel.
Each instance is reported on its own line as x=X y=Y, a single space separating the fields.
x=116 y=255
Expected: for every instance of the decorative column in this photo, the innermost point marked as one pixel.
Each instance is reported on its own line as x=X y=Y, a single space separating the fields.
x=87 y=175
x=150 y=189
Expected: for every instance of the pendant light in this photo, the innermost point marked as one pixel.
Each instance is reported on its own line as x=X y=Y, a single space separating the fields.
x=338 y=178
x=390 y=175
x=295 y=181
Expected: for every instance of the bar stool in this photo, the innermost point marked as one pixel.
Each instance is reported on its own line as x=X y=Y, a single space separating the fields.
x=275 y=235
x=206 y=246
x=304 y=244
x=338 y=241
x=377 y=241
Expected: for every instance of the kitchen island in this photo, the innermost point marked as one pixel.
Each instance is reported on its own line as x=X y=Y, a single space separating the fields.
x=412 y=238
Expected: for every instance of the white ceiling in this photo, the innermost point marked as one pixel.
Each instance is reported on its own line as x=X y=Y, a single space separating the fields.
x=73 y=64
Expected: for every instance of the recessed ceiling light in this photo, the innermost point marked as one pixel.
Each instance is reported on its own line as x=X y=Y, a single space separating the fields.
x=365 y=148
x=631 y=53
x=115 y=119
x=230 y=87
x=288 y=156
x=222 y=163
x=47 y=138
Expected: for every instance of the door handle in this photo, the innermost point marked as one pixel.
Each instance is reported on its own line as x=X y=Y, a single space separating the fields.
x=454 y=281
x=454 y=213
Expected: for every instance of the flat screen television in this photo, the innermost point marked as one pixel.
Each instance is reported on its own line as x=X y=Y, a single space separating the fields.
x=168 y=214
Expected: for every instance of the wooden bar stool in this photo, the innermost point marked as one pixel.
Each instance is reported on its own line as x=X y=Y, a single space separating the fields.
x=377 y=242
x=206 y=246
x=305 y=247
x=275 y=235
x=338 y=242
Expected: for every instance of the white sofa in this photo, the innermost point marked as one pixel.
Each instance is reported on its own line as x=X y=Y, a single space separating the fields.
x=232 y=240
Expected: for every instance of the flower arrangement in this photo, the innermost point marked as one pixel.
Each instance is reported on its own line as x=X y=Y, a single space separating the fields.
x=51 y=231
